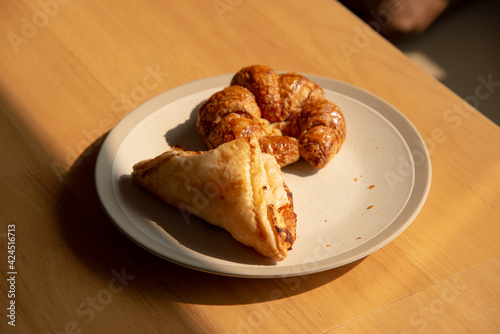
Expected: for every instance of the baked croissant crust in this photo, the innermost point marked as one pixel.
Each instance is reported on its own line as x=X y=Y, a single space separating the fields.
x=234 y=113
x=262 y=81
x=287 y=112
x=235 y=186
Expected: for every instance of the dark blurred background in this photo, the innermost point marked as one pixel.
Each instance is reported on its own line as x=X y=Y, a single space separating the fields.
x=456 y=41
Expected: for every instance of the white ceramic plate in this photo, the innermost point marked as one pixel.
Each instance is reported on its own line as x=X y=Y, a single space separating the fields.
x=365 y=197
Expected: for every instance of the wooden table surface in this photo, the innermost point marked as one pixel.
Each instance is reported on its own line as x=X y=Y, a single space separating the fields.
x=70 y=70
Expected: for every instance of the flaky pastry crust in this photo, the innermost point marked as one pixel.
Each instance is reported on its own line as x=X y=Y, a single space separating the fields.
x=234 y=186
x=287 y=112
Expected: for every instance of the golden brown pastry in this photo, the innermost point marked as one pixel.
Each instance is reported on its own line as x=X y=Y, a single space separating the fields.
x=233 y=113
x=295 y=91
x=231 y=100
x=262 y=81
x=234 y=186
x=284 y=148
x=321 y=132
x=287 y=112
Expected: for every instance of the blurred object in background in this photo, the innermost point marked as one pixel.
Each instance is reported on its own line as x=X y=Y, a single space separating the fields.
x=456 y=41
x=397 y=19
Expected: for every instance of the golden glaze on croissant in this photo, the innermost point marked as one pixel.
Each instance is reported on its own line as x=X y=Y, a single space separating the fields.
x=234 y=113
x=262 y=81
x=287 y=112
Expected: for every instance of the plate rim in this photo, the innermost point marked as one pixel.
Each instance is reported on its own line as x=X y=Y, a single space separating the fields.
x=113 y=140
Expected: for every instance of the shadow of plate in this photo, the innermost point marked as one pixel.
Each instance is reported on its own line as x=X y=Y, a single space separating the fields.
x=101 y=247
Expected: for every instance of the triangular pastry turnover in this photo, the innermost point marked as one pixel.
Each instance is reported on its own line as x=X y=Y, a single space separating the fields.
x=234 y=186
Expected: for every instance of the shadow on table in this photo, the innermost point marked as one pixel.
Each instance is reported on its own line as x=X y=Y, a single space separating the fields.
x=100 y=245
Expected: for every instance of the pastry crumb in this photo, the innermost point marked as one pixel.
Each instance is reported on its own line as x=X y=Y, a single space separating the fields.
x=371 y=187
x=370 y=207
x=329 y=245
x=358 y=238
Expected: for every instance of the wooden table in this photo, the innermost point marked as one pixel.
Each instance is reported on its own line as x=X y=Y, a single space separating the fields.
x=70 y=70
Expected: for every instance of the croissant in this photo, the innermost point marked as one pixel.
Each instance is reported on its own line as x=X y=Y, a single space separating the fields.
x=234 y=113
x=287 y=112
x=234 y=186
x=262 y=81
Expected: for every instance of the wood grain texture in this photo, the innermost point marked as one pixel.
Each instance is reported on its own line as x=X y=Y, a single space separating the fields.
x=71 y=70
